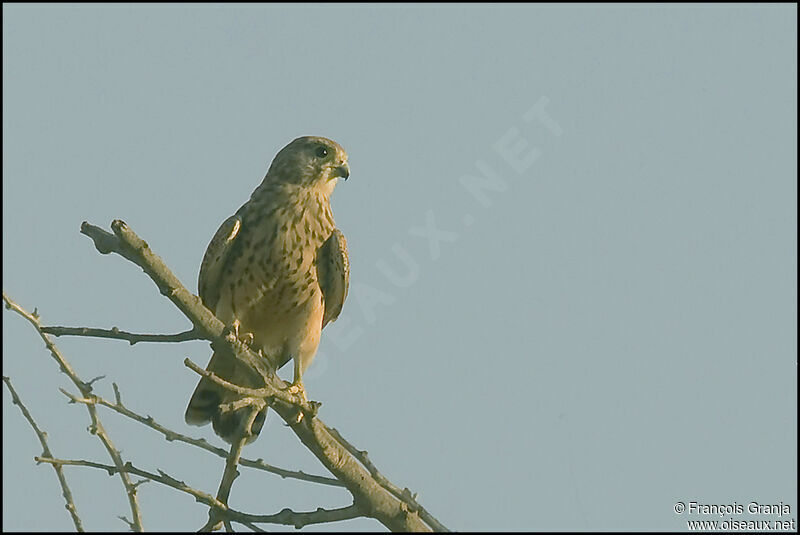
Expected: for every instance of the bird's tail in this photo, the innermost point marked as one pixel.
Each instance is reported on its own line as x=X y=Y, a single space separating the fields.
x=204 y=406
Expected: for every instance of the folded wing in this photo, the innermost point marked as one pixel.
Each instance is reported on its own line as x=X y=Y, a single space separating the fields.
x=333 y=273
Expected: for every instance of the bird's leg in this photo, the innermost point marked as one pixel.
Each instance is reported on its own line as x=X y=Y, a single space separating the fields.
x=297 y=385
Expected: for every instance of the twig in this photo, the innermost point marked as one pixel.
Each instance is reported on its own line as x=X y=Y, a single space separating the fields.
x=299 y=520
x=127 y=244
x=128 y=468
x=202 y=443
x=269 y=393
x=115 y=333
x=231 y=473
x=285 y=517
x=96 y=427
x=252 y=526
x=65 y=491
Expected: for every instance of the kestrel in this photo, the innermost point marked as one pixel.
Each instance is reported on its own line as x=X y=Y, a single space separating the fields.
x=278 y=272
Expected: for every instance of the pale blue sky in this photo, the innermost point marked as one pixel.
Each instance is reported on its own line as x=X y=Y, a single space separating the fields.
x=609 y=330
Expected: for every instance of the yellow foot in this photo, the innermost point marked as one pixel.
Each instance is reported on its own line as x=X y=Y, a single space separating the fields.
x=245 y=338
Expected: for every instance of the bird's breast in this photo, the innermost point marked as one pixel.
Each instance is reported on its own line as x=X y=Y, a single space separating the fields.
x=274 y=276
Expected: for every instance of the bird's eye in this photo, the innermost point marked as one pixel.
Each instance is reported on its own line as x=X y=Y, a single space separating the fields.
x=322 y=152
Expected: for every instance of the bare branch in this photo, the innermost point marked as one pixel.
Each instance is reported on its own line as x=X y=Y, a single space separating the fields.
x=85 y=388
x=128 y=468
x=127 y=244
x=372 y=498
x=299 y=520
x=202 y=443
x=252 y=526
x=406 y=495
x=115 y=333
x=231 y=473
x=65 y=491
x=285 y=517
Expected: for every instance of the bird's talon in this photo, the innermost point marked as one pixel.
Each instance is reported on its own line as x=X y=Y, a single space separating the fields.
x=244 y=338
x=297 y=389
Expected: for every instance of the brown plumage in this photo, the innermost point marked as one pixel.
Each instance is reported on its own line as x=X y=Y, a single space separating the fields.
x=279 y=268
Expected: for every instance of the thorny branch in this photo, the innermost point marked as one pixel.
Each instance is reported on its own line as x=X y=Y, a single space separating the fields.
x=406 y=495
x=202 y=443
x=285 y=517
x=116 y=334
x=86 y=391
x=374 y=496
x=230 y=474
x=70 y=506
x=376 y=501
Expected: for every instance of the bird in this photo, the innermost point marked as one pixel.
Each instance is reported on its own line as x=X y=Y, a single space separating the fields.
x=277 y=272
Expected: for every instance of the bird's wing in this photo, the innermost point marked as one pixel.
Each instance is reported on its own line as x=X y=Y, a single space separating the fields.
x=333 y=273
x=215 y=259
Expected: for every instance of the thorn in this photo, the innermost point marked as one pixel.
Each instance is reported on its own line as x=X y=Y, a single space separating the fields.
x=117 y=395
x=130 y=524
x=92 y=381
x=136 y=485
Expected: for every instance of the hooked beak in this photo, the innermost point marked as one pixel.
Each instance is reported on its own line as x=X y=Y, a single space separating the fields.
x=342 y=170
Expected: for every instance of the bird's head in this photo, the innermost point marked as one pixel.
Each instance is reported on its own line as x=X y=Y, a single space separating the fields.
x=310 y=161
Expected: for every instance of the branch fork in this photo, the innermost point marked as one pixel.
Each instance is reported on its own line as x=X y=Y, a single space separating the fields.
x=373 y=495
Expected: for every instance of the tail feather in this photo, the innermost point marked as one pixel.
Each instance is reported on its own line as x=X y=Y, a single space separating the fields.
x=204 y=405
